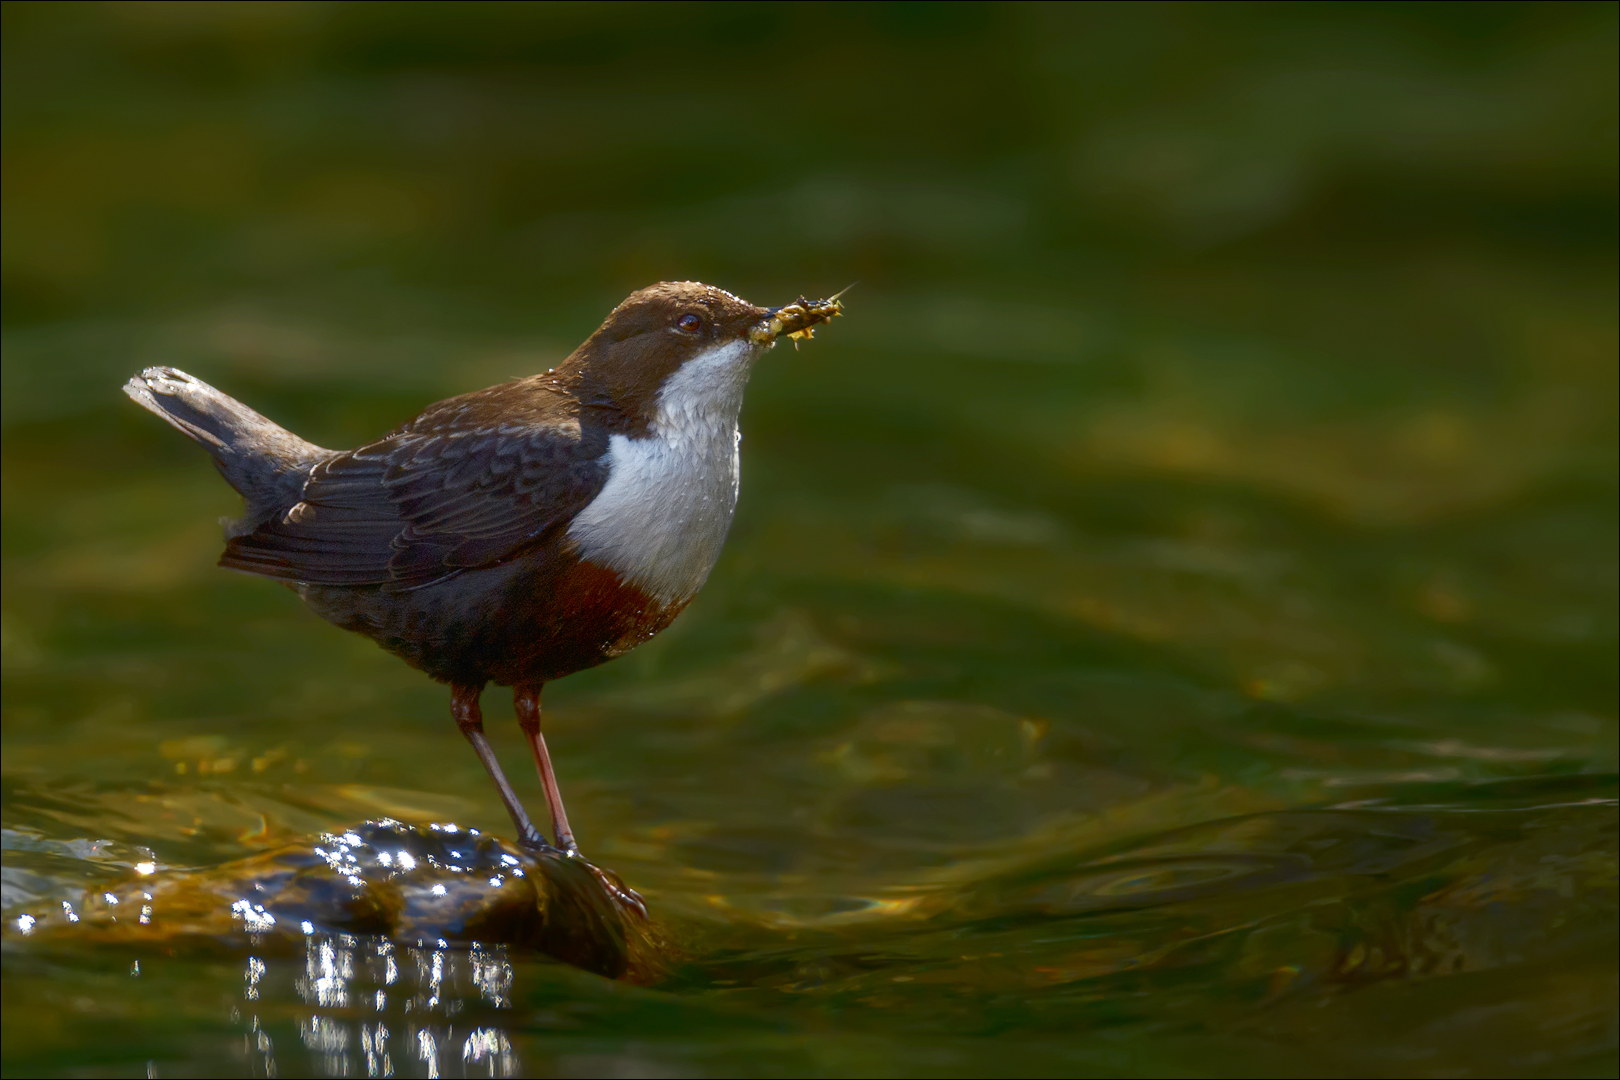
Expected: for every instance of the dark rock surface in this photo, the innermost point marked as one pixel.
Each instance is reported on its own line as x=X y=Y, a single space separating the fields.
x=442 y=884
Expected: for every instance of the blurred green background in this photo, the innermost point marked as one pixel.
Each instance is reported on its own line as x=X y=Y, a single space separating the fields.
x=1217 y=458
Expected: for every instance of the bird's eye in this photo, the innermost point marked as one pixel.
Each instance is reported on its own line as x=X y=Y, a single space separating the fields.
x=690 y=323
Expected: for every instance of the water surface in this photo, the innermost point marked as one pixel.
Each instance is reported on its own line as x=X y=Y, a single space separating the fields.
x=1169 y=627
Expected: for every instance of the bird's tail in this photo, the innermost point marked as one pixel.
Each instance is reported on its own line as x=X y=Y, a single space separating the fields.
x=259 y=458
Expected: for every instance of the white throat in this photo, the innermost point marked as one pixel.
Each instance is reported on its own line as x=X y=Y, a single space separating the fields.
x=660 y=520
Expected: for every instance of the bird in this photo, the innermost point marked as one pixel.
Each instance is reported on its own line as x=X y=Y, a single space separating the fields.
x=516 y=534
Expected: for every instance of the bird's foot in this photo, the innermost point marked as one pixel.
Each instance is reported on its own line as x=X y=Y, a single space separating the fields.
x=623 y=894
x=615 y=887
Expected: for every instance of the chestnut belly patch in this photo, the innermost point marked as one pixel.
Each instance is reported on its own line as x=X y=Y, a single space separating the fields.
x=583 y=615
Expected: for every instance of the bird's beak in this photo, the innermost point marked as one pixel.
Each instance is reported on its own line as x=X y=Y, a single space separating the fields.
x=797 y=320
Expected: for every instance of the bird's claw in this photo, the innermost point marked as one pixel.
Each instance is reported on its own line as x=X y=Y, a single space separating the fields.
x=623 y=894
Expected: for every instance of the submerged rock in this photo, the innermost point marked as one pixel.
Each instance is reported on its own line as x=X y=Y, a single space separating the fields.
x=440 y=885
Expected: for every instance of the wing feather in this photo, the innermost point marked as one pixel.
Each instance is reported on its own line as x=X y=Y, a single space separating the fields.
x=428 y=502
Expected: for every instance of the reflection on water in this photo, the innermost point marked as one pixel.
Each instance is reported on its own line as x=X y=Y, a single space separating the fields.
x=427 y=987
x=1258 y=915
x=373 y=1002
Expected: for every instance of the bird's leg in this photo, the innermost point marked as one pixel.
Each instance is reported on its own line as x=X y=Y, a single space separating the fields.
x=470 y=719
x=526 y=699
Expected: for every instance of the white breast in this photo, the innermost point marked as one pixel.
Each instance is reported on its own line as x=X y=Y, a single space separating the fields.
x=662 y=517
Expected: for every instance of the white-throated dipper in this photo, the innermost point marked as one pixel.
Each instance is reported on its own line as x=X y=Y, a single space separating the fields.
x=520 y=533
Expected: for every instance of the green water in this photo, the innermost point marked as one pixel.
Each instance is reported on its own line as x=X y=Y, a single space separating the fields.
x=1170 y=622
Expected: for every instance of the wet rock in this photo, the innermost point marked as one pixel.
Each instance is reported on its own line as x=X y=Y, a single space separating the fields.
x=442 y=885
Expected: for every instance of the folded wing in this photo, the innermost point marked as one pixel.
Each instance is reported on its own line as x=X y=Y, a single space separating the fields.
x=428 y=502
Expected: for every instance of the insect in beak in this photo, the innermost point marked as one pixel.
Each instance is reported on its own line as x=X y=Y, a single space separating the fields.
x=797 y=320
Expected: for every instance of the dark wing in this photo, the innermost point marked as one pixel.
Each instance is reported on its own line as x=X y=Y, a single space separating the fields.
x=428 y=502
